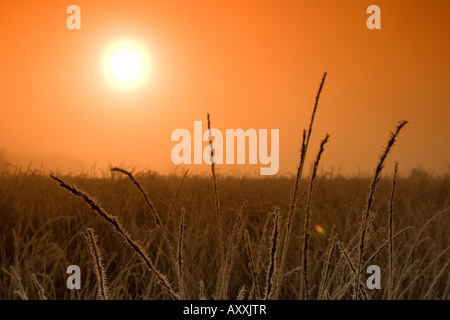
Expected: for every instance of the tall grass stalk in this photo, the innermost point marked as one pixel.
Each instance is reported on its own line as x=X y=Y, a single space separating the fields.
x=254 y=291
x=272 y=267
x=97 y=261
x=391 y=232
x=294 y=196
x=180 y=253
x=117 y=226
x=174 y=201
x=18 y=281
x=413 y=248
x=327 y=263
x=435 y=280
x=233 y=246
x=222 y=275
x=155 y=214
x=370 y=199
x=39 y=288
x=423 y=270
x=306 y=232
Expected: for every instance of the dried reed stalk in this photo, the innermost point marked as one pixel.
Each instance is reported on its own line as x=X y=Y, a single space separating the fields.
x=221 y=285
x=233 y=246
x=370 y=199
x=285 y=241
x=327 y=263
x=18 y=281
x=294 y=200
x=352 y=267
x=447 y=287
x=422 y=271
x=97 y=261
x=435 y=280
x=306 y=233
x=180 y=253
x=155 y=214
x=114 y=222
x=201 y=288
x=272 y=267
x=254 y=291
x=416 y=243
x=262 y=248
x=391 y=232
x=384 y=245
x=39 y=288
x=172 y=206
x=241 y=293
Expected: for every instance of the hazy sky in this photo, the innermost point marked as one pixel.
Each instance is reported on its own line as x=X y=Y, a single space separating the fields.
x=251 y=64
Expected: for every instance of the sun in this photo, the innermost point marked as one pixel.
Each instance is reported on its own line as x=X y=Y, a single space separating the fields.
x=126 y=64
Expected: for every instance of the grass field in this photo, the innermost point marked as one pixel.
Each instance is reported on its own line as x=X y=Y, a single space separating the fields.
x=42 y=229
x=219 y=237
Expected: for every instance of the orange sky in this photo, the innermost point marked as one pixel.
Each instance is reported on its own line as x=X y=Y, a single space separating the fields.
x=251 y=64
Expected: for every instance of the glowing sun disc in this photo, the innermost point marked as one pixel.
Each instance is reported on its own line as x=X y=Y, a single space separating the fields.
x=126 y=64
